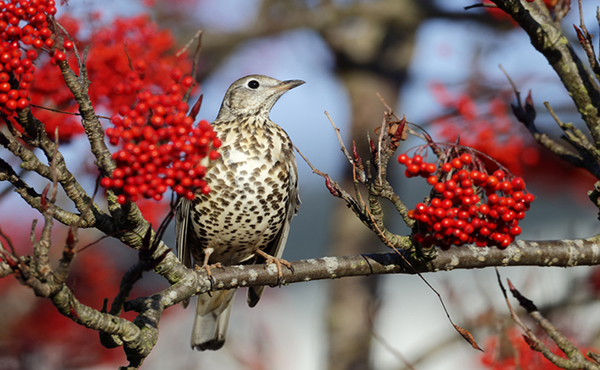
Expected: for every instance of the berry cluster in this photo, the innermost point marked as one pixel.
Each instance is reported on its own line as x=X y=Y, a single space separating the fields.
x=161 y=146
x=467 y=205
x=16 y=67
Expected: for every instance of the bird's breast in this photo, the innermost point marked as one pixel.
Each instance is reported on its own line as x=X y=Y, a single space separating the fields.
x=251 y=186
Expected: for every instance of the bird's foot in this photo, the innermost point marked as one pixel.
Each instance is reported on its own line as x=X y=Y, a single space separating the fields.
x=208 y=268
x=278 y=262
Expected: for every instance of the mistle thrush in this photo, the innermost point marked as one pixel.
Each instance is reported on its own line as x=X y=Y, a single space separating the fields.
x=254 y=195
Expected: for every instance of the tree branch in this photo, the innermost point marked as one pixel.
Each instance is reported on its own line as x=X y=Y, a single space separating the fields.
x=548 y=39
x=555 y=253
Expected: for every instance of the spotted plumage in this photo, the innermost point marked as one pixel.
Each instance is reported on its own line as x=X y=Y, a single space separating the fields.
x=254 y=195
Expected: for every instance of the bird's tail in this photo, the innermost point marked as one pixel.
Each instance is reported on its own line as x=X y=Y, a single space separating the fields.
x=212 y=318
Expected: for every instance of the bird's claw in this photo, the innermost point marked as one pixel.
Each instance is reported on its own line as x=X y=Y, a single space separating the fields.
x=208 y=269
x=278 y=262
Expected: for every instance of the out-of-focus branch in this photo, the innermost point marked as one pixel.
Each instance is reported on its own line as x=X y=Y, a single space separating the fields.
x=575 y=359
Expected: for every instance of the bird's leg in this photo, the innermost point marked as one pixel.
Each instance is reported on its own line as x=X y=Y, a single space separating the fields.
x=278 y=262
x=206 y=266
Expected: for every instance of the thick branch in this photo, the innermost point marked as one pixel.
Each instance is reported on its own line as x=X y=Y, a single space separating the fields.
x=558 y=253
x=91 y=124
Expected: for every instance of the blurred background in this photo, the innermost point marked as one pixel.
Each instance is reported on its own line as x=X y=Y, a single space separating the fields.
x=433 y=62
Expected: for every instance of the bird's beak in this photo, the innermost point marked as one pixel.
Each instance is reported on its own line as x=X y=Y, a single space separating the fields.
x=289 y=84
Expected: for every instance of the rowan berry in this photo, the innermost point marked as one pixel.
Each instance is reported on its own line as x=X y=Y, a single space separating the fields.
x=466 y=158
x=161 y=144
x=457 y=163
x=467 y=205
x=432 y=180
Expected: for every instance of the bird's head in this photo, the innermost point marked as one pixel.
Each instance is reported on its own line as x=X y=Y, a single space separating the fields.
x=254 y=95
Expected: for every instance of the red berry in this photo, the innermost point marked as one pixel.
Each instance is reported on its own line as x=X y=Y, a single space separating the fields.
x=413 y=169
x=527 y=199
x=106 y=182
x=480 y=242
x=518 y=183
x=140 y=66
x=515 y=230
x=187 y=81
x=68 y=45
x=10 y=105
x=462 y=215
x=430 y=167
x=457 y=163
x=499 y=175
x=176 y=74
x=26 y=64
x=508 y=216
x=22 y=103
x=491 y=182
x=506 y=187
x=37 y=43
x=466 y=158
x=432 y=180
x=467 y=201
x=32 y=54
x=446 y=204
x=518 y=196
x=439 y=213
x=60 y=56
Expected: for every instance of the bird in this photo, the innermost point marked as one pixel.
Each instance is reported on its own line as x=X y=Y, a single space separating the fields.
x=246 y=216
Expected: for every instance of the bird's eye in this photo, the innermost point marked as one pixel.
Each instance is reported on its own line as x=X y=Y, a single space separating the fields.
x=253 y=84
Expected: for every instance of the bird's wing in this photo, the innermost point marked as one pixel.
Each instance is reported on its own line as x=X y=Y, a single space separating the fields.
x=276 y=247
x=181 y=235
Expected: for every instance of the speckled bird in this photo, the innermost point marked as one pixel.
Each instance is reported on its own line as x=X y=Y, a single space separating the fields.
x=254 y=195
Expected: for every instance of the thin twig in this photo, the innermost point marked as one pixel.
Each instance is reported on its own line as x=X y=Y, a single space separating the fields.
x=339 y=137
x=62 y=111
x=513 y=314
x=512 y=83
x=313 y=168
x=574 y=135
x=480 y=5
x=197 y=36
x=379 y=145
